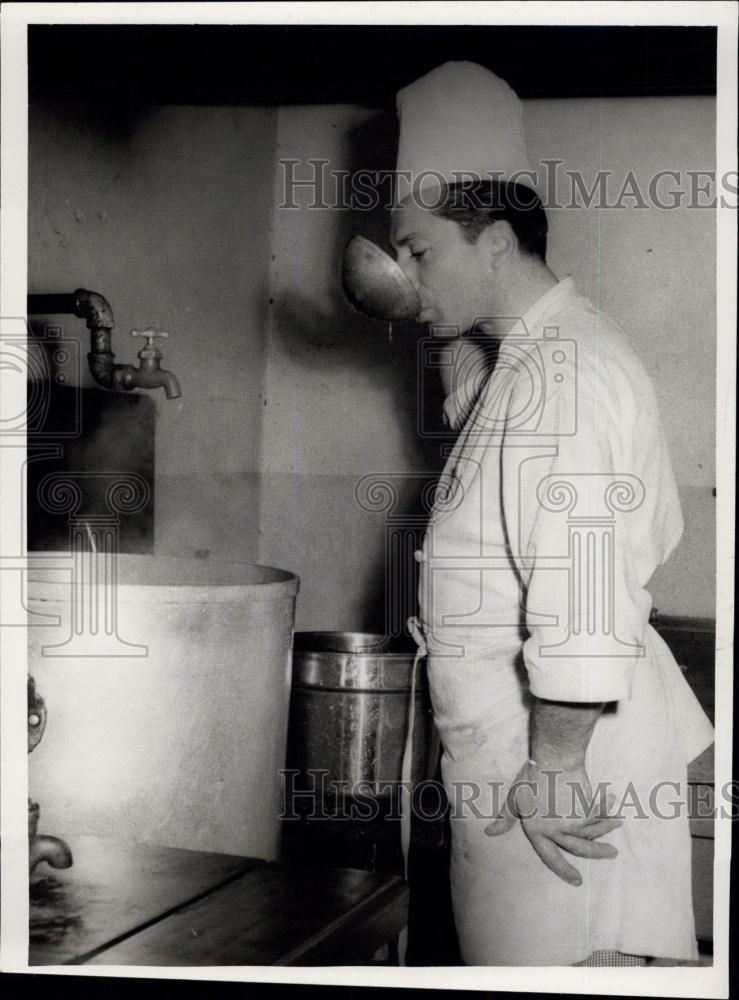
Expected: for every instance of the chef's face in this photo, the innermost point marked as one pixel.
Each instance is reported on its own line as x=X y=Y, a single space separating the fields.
x=451 y=275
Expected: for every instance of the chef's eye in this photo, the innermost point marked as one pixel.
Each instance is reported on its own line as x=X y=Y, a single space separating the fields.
x=417 y=254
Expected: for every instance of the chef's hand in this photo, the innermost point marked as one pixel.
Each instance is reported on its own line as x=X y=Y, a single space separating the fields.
x=556 y=812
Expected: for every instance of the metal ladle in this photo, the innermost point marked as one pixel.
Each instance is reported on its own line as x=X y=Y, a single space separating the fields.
x=375 y=285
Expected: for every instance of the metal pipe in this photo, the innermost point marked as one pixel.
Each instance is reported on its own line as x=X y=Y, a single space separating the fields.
x=90 y=306
x=96 y=311
x=51 y=305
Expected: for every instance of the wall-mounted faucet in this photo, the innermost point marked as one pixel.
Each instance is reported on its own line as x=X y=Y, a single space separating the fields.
x=96 y=310
x=150 y=374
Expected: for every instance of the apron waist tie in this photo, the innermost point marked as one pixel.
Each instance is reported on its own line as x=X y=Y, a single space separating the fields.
x=406 y=773
x=406 y=776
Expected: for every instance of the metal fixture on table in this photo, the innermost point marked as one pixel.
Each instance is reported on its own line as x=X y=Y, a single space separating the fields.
x=41 y=847
x=98 y=314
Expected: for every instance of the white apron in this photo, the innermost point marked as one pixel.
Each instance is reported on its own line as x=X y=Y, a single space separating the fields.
x=556 y=505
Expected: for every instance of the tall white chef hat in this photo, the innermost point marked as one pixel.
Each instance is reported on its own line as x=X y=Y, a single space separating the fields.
x=459 y=119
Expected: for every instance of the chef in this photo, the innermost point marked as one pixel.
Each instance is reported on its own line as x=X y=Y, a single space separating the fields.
x=566 y=724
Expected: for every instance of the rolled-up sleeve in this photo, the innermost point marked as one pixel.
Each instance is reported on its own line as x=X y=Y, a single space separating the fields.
x=567 y=504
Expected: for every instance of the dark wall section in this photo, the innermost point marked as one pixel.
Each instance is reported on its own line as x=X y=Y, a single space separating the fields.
x=103 y=440
x=357 y=64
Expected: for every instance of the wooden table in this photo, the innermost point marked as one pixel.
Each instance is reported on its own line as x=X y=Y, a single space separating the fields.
x=136 y=904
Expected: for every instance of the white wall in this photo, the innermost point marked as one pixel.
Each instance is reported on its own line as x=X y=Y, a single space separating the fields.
x=166 y=212
x=341 y=401
x=652 y=270
x=289 y=397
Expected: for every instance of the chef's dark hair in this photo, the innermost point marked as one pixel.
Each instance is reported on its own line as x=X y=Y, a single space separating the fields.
x=478 y=205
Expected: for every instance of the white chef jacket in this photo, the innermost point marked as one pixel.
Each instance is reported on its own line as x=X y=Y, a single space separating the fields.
x=555 y=507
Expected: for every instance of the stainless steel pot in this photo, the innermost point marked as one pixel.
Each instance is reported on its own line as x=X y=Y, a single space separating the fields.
x=349 y=713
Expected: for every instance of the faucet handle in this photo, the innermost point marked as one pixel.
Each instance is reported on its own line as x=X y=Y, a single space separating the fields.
x=150 y=336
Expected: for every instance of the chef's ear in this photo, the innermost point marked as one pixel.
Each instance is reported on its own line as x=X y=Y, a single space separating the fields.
x=500 y=243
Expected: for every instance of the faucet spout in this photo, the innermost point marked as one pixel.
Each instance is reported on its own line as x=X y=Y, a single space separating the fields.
x=171 y=385
x=42 y=847
x=52 y=850
x=148 y=376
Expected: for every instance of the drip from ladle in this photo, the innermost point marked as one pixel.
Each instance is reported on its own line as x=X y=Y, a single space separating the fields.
x=375 y=285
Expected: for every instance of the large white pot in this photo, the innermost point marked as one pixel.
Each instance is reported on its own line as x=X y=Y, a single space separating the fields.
x=177 y=738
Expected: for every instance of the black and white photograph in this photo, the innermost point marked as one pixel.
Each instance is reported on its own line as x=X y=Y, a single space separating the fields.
x=367 y=540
